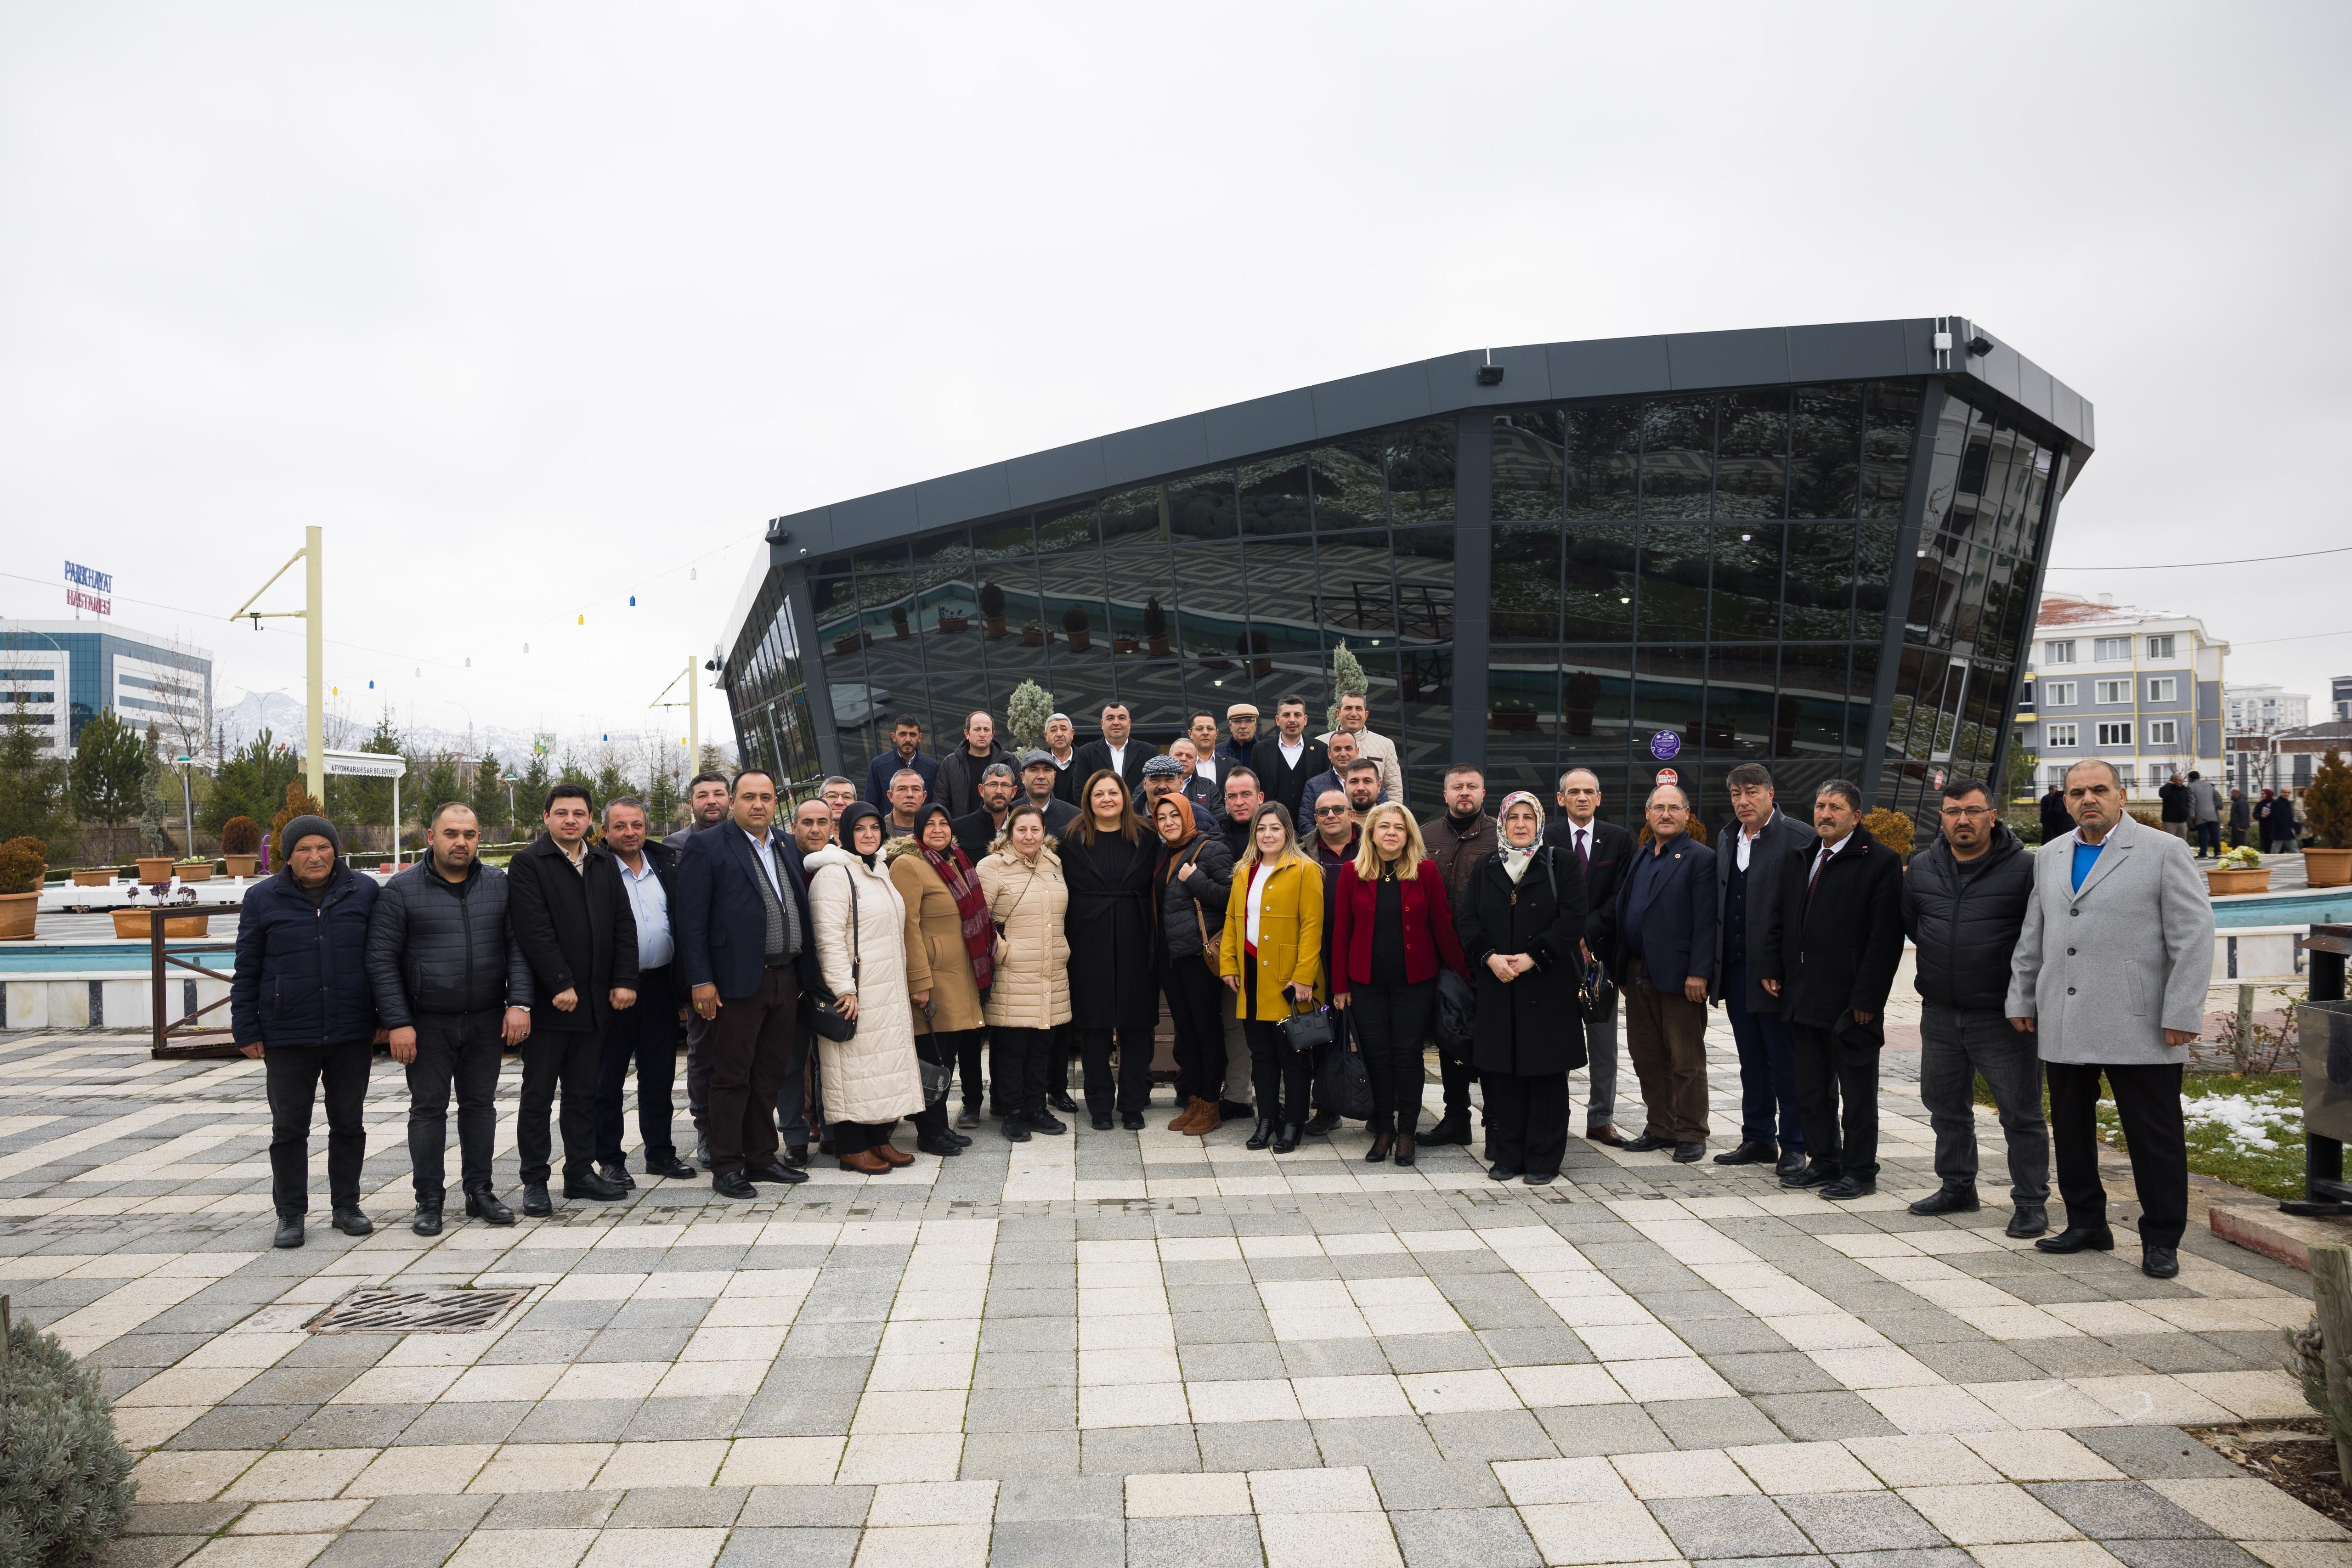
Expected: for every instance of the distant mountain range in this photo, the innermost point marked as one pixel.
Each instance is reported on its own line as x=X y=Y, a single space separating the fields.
x=240 y=720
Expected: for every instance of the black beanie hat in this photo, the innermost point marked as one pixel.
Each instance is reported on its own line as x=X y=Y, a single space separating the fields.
x=300 y=828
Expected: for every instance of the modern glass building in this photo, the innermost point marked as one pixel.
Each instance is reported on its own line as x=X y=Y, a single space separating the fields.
x=1814 y=547
x=57 y=675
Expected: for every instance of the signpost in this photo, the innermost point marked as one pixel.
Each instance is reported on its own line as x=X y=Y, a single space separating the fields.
x=374 y=765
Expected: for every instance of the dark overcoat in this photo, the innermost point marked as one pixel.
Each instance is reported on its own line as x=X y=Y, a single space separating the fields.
x=1109 y=925
x=1529 y=1027
x=577 y=931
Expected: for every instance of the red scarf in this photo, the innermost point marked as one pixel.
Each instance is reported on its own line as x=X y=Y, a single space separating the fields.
x=972 y=907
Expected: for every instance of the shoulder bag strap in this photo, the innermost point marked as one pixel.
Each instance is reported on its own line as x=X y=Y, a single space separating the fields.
x=1200 y=917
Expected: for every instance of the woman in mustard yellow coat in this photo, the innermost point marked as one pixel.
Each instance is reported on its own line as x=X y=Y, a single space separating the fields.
x=1272 y=957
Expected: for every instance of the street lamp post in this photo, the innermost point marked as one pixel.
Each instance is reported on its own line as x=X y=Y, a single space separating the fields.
x=509 y=780
x=188 y=798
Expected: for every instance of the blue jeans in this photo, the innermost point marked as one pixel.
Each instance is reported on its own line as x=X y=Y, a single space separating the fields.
x=1768 y=1069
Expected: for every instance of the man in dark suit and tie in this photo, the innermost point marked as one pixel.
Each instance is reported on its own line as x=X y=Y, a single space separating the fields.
x=1665 y=951
x=1118 y=751
x=747 y=951
x=1748 y=872
x=1604 y=849
x=1285 y=760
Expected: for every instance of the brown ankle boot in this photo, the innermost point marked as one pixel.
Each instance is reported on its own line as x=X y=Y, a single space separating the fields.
x=889 y=1155
x=1207 y=1122
x=864 y=1163
x=1183 y=1121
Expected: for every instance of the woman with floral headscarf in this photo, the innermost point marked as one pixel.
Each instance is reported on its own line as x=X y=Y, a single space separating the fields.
x=1519 y=920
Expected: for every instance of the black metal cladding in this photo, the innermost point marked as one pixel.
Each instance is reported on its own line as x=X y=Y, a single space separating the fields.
x=1713 y=564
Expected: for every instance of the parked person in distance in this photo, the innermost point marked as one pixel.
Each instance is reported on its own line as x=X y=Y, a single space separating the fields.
x=1459 y=838
x=1269 y=959
x=1117 y=751
x=645 y=1036
x=1604 y=851
x=453 y=987
x=1963 y=904
x=2054 y=820
x=1391 y=926
x=1748 y=872
x=975 y=831
x=707 y=797
x=1107 y=862
x=1665 y=936
x=1839 y=939
x=2238 y=818
x=2109 y=979
x=570 y=916
x=1522 y=928
x=2173 y=796
x=1029 y=995
x=950 y=946
x=872 y=1077
x=2205 y=814
x=2283 y=833
x=1285 y=760
x=906 y=751
x=1194 y=877
x=302 y=1002
x=747 y=955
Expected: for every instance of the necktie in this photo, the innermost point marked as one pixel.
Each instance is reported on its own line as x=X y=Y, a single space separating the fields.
x=1583 y=856
x=1814 y=881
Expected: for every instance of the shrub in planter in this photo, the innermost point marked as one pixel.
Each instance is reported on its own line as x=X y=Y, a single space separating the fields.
x=1074 y=622
x=240 y=836
x=1892 y=829
x=1155 y=627
x=2327 y=813
x=1583 y=696
x=992 y=608
x=64 y=1485
x=23 y=863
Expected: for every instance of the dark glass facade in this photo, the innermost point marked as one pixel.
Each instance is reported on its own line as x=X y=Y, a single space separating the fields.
x=1831 y=576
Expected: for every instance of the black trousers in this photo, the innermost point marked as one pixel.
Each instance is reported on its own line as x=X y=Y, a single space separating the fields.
x=749 y=1047
x=941 y=1048
x=857 y=1137
x=1195 y=1003
x=646 y=1035
x=1526 y=1120
x=1019 y=1068
x=460 y=1050
x=1391 y=1023
x=1134 y=1079
x=2147 y=1101
x=1455 y=1073
x=697 y=1070
x=1837 y=1101
x=1281 y=1077
x=1065 y=1045
x=552 y=1061
x=965 y=1048
x=291 y=1075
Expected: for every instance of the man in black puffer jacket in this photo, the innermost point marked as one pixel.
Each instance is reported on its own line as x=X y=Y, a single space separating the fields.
x=1963 y=904
x=454 y=988
x=301 y=1003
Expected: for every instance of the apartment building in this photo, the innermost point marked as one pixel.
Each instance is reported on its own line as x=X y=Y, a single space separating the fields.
x=2140 y=689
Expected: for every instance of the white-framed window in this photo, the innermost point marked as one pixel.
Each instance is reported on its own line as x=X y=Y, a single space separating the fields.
x=2161 y=647
x=2117 y=734
x=2057 y=694
x=2055 y=774
x=2107 y=648
x=2163 y=688
x=2114 y=691
x=2061 y=737
x=2163 y=732
x=2126 y=775
x=2059 y=652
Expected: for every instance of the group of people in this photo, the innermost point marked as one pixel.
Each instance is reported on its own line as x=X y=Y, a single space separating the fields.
x=993 y=917
x=2192 y=808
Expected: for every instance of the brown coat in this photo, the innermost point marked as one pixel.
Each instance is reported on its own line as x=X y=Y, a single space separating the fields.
x=937 y=959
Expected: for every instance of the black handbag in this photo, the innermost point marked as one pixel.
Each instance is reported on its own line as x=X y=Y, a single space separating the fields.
x=1309 y=1030
x=825 y=1017
x=1457 y=1014
x=1342 y=1086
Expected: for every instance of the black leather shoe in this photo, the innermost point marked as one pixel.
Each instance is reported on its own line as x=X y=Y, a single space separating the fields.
x=2156 y=1262
x=970 y=1117
x=1131 y=1120
x=961 y=1142
x=1450 y=1129
x=1235 y=1111
x=1062 y=1103
x=2031 y=1220
x=1791 y=1161
x=290 y=1231
x=1542 y=1178
x=701 y=1150
x=943 y=1145
x=1101 y=1120
x=1262 y=1135
x=1381 y=1143
x=1322 y=1122
x=1501 y=1172
x=619 y=1176
x=731 y=1184
x=1690 y=1154
x=1016 y=1128
x=2070 y=1240
x=486 y=1207
x=1948 y=1200
x=775 y=1175
x=1847 y=1187
x=1404 y=1151
x=588 y=1185
x=1288 y=1140
x=1646 y=1144
x=426 y=1220
x=1753 y=1152
x=672 y=1167
x=534 y=1201
x=1811 y=1175
x=1045 y=1121
x=352 y=1222
x=796 y=1154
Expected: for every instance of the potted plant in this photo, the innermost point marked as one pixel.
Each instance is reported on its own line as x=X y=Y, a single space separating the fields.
x=1581 y=698
x=241 y=845
x=898 y=627
x=154 y=870
x=991 y=609
x=96 y=876
x=2327 y=814
x=1155 y=627
x=951 y=624
x=1119 y=644
x=1512 y=715
x=1033 y=635
x=1784 y=726
x=23 y=863
x=194 y=871
x=1082 y=636
x=860 y=638
x=1259 y=644
x=2240 y=870
x=1213 y=659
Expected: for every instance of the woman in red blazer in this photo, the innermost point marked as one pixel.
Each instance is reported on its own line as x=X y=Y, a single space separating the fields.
x=1390 y=928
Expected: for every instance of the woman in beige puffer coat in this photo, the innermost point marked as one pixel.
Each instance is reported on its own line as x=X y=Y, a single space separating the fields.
x=1027 y=898
x=872 y=1079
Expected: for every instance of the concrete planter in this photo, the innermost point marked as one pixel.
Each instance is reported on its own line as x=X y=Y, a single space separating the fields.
x=2328 y=868
x=153 y=869
x=102 y=878
x=195 y=871
x=19 y=911
x=241 y=865
x=134 y=923
x=2224 y=883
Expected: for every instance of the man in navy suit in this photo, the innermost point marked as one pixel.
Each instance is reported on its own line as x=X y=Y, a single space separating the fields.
x=746 y=949
x=1748 y=877
x=1665 y=950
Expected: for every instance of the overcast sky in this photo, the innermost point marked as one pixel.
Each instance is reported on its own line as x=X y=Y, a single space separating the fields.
x=532 y=308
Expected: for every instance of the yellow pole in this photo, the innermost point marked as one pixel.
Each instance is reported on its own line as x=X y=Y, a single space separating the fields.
x=314 y=739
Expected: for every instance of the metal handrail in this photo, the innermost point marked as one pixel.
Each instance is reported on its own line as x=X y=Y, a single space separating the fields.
x=182 y=1039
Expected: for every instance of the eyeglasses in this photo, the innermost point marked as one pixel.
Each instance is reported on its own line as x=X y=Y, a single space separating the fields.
x=1330 y=810
x=1967 y=811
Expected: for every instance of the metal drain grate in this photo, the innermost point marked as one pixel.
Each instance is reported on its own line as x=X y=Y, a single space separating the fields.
x=415 y=1311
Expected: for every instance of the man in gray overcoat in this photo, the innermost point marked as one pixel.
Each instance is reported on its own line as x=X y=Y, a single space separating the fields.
x=2110 y=978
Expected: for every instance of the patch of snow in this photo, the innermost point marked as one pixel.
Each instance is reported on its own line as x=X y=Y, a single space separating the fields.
x=2250 y=1123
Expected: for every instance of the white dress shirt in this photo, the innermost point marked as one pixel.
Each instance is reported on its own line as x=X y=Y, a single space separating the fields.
x=649 y=903
x=1747 y=838
x=765 y=859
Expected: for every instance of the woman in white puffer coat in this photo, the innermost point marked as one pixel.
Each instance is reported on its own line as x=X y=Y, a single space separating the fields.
x=872 y=1079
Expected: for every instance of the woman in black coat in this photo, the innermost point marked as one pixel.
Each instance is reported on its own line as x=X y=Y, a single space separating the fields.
x=1108 y=857
x=1195 y=878
x=1520 y=920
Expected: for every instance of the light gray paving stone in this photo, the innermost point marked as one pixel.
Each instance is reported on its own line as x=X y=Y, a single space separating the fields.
x=1860 y=1521
x=804 y=1506
x=576 y=1421
x=1465 y=1538
x=148 y=1550
x=1824 y=1417
x=1050 y=1543
x=390 y=1549
x=2115 y=1510
x=1211 y=1542
x=1728 y=1527
x=1440 y=1484
x=1138 y=1450
x=789 y=1548
x=2210 y=1553
x=552 y=1510
x=2153 y=1453
x=1258 y=1446
x=675 y=1507
x=1584 y=1430
x=458 y=1512
x=1711 y=1423
x=1033 y=1498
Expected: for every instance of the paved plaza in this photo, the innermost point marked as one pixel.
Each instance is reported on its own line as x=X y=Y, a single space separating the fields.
x=1115 y=1348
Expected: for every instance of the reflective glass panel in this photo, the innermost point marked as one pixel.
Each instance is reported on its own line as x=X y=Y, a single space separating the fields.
x=1677 y=456
x=1752 y=463
x=1890 y=423
x=1669 y=692
x=1132 y=516
x=1275 y=495
x=1746 y=583
x=1827 y=444
x=1202 y=507
x=1526 y=602
x=1425 y=584
x=1522 y=717
x=1597 y=597
x=1739 y=702
x=1349 y=491
x=1873 y=568
x=1527 y=463
x=1809 y=719
x=1672 y=599
x=1595 y=704
x=1603 y=459
x=1420 y=473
